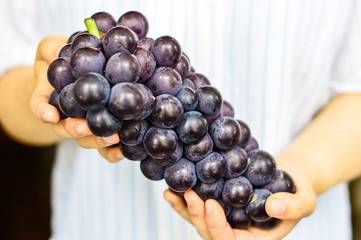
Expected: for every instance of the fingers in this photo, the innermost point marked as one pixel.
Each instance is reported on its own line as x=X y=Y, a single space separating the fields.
x=177 y=204
x=196 y=210
x=97 y=142
x=49 y=47
x=72 y=127
x=111 y=154
x=216 y=221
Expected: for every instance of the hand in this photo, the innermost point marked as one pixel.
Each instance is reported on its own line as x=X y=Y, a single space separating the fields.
x=70 y=127
x=211 y=223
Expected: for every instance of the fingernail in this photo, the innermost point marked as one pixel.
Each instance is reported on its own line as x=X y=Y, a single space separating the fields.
x=46 y=117
x=189 y=200
x=81 y=130
x=111 y=140
x=277 y=207
x=209 y=208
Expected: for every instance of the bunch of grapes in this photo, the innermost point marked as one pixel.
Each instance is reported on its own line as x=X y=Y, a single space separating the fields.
x=167 y=116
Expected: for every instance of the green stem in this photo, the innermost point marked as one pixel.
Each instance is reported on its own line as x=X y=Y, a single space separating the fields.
x=92 y=27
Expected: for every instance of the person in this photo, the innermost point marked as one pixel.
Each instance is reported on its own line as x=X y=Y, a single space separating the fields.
x=278 y=63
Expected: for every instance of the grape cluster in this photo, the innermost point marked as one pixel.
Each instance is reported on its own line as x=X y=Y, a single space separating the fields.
x=167 y=116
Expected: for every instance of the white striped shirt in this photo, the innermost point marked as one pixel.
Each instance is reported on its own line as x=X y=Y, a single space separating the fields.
x=278 y=62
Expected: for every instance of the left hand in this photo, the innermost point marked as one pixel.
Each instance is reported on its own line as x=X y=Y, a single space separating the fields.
x=211 y=223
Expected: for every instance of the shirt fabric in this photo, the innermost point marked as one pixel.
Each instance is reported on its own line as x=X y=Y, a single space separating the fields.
x=277 y=62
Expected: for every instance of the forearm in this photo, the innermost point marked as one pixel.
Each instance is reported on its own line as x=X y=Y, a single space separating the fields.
x=328 y=151
x=16 y=117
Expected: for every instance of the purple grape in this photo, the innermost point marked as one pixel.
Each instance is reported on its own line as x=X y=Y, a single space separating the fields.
x=192 y=128
x=120 y=39
x=160 y=143
x=86 y=40
x=192 y=71
x=67 y=103
x=126 y=101
x=135 y=21
x=225 y=132
x=59 y=73
x=261 y=169
x=103 y=123
x=132 y=132
x=182 y=67
x=65 y=52
x=165 y=80
x=211 y=119
x=199 y=150
x=91 y=91
x=147 y=63
x=134 y=153
x=181 y=176
x=167 y=51
x=256 y=208
x=237 y=192
x=85 y=60
x=209 y=190
x=104 y=21
x=188 y=83
x=174 y=157
x=239 y=219
x=227 y=209
x=282 y=182
x=227 y=109
x=54 y=101
x=268 y=224
x=199 y=80
x=73 y=36
x=148 y=102
x=211 y=168
x=209 y=100
x=246 y=133
x=167 y=111
x=122 y=67
x=146 y=43
x=236 y=162
x=151 y=169
x=188 y=98
x=251 y=145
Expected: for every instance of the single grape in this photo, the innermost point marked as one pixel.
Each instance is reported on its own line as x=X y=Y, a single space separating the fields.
x=211 y=168
x=91 y=91
x=132 y=132
x=188 y=83
x=54 y=101
x=74 y=35
x=192 y=71
x=103 y=123
x=119 y=39
x=199 y=150
x=236 y=162
x=237 y=192
x=145 y=42
x=199 y=80
x=174 y=157
x=147 y=63
x=246 y=133
x=151 y=169
x=239 y=219
x=268 y=224
x=227 y=109
x=59 y=73
x=209 y=100
x=104 y=21
x=85 y=60
x=160 y=143
x=149 y=100
x=251 y=145
x=135 y=21
x=181 y=176
x=261 y=169
x=209 y=190
x=134 y=153
x=167 y=111
x=122 y=67
x=86 y=40
x=188 y=97
x=225 y=132
x=126 y=101
x=165 y=80
x=182 y=67
x=167 y=51
x=282 y=182
x=67 y=103
x=256 y=208
x=65 y=52
x=227 y=209
x=192 y=128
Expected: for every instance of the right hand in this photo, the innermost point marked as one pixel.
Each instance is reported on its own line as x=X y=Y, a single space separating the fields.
x=70 y=127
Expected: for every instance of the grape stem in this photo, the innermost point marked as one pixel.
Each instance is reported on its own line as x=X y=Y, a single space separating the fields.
x=92 y=27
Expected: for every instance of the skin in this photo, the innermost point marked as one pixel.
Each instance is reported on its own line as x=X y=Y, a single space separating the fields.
x=327 y=152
